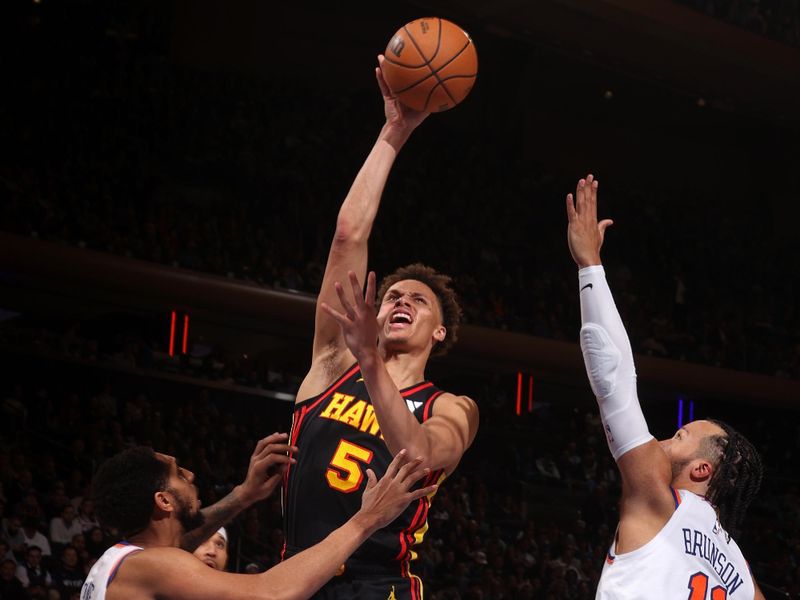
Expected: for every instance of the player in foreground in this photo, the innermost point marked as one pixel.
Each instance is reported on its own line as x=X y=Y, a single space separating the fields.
x=153 y=502
x=683 y=498
x=365 y=396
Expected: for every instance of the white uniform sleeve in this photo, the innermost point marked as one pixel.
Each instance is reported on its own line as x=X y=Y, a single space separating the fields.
x=609 y=364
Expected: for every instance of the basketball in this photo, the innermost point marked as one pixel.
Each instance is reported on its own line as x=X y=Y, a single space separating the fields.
x=430 y=64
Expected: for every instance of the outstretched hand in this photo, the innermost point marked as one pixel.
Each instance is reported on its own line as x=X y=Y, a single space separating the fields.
x=267 y=467
x=584 y=234
x=383 y=501
x=359 y=322
x=398 y=115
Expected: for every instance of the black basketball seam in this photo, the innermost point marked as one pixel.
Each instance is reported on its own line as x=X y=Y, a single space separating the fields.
x=399 y=64
x=427 y=62
x=433 y=72
x=408 y=87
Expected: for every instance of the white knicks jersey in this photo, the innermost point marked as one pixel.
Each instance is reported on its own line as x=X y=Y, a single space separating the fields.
x=691 y=558
x=104 y=570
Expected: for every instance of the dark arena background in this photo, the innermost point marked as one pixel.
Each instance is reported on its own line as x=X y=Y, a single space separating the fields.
x=171 y=172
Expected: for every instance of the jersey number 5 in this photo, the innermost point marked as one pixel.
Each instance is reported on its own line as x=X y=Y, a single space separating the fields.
x=346 y=474
x=698 y=586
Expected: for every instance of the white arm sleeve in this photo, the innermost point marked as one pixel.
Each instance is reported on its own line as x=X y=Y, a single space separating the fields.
x=609 y=364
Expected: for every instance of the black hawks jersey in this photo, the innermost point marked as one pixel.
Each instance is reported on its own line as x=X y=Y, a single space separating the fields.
x=339 y=438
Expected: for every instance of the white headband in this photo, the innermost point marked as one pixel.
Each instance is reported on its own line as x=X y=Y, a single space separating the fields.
x=223 y=533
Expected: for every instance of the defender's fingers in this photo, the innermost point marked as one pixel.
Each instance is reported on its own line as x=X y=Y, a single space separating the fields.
x=372 y=481
x=408 y=468
x=274 y=449
x=398 y=460
x=270 y=439
x=580 y=196
x=571 y=214
x=416 y=476
x=422 y=492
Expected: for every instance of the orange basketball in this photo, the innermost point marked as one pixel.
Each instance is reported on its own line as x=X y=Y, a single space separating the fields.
x=431 y=64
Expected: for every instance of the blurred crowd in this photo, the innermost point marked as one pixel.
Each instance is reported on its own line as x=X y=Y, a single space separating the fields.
x=777 y=19
x=528 y=515
x=121 y=151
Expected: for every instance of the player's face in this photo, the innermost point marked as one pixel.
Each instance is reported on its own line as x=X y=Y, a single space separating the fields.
x=181 y=486
x=409 y=316
x=683 y=448
x=213 y=552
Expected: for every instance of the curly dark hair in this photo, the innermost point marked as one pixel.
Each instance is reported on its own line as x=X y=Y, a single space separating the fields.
x=123 y=489
x=737 y=476
x=441 y=285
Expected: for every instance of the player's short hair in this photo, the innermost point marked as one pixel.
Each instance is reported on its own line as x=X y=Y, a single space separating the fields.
x=738 y=472
x=123 y=489
x=441 y=285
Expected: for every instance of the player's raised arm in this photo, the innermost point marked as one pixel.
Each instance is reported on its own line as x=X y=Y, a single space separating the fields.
x=173 y=574
x=348 y=250
x=645 y=468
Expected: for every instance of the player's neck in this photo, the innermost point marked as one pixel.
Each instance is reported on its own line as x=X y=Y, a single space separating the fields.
x=405 y=368
x=164 y=532
x=686 y=483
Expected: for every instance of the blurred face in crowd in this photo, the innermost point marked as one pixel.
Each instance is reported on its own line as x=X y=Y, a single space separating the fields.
x=34 y=557
x=68 y=513
x=70 y=557
x=688 y=453
x=409 y=317
x=214 y=552
x=7 y=570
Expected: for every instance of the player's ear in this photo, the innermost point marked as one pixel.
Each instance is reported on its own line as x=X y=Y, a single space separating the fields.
x=163 y=501
x=440 y=333
x=702 y=471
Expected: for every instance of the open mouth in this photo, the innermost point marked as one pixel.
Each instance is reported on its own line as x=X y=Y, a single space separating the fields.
x=400 y=319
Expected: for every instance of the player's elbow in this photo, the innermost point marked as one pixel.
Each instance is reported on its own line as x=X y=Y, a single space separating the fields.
x=349 y=231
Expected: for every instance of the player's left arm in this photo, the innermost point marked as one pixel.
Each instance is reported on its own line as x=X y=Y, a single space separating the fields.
x=264 y=473
x=444 y=437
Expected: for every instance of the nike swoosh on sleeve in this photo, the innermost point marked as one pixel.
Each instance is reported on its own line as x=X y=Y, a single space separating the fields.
x=588 y=285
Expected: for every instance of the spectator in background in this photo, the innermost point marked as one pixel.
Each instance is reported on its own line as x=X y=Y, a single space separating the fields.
x=86 y=517
x=32 y=536
x=68 y=576
x=10 y=587
x=65 y=526
x=31 y=573
x=15 y=537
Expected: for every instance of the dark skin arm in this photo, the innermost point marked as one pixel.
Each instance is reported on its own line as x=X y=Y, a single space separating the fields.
x=267 y=465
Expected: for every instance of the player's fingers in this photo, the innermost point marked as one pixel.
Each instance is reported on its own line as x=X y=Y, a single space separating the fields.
x=580 y=196
x=422 y=492
x=398 y=460
x=372 y=481
x=408 y=469
x=270 y=439
x=358 y=294
x=273 y=445
x=571 y=214
x=386 y=91
x=339 y=317
x=602 y=226
x=593 y=192
x=348 y=308
x=415 y=476
x=369 y=295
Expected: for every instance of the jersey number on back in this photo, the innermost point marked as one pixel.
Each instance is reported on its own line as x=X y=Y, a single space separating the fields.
x=346 y=474
x=698 y=586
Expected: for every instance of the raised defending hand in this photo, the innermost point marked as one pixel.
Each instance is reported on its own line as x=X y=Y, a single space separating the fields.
x=397 y=114
x=359 y=321
x=584 y=233
x=267 y=467
x=384 y=500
